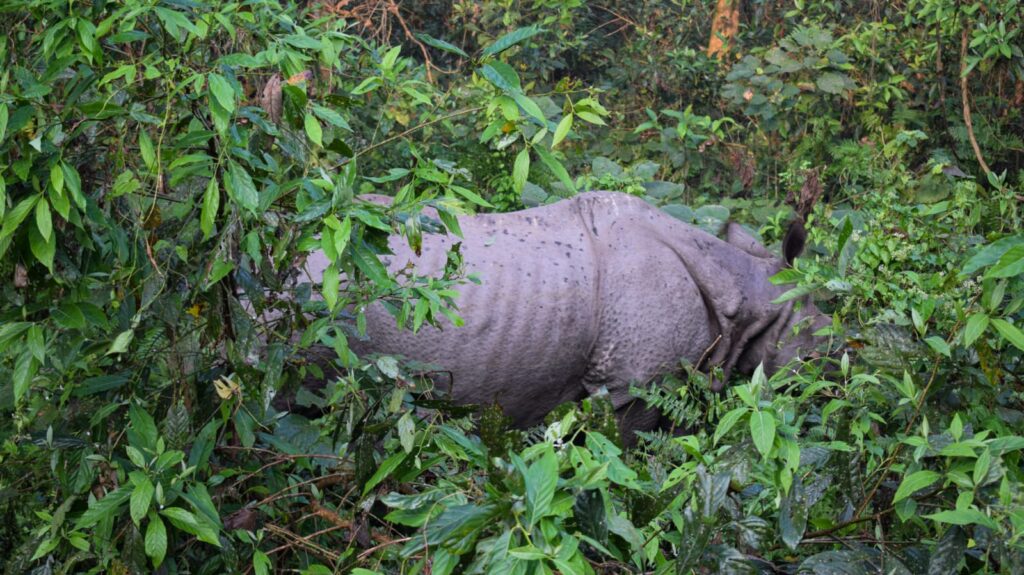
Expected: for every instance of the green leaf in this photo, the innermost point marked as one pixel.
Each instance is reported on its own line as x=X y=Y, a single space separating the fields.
x=104 y=508
x=556 y=168
x=981 y=467
x=24 y=371
x=1011 y=264
x=590 y=117
x=17 y=215
x=242 y=188
x=1012 y=333
x=762 y=430
x=73 y=184
x=211 y=205
x=915 y=482
x=541 y=480
x=219 y=269
x=44 y=249
x=121 y=342
x=385 y=469
x=261 y=563
x=521 y=170
x=156 y=540
x=3 y=121
x=938 y=345
x=728 y=421
x=964 y=517
x=441 y=44
x=511 y=39
x=329 y=287
x=407 y=432
x=189 y=523
x=833 y=82
x=57 y=178
x=3 y=197
x=530 y=107
x=368 y=85
x=222 y=91
x=976 y=326
x=503 y=77
x=147 y=150
x=314 y=131
x=44 y=220
x=561 y=131
x=141 y=498
x=990 y=254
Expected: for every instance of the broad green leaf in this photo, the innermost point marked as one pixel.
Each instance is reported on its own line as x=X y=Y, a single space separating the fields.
x=1012 y=333
x=915 y=482
x=44 y=220
x=222 y=91
x=964 y=517
x=368 y=85
x=590 y=117
x=103 y=508
x=141 y=498
x=990 y=254
x=147 y=150
x=121 y=342
x=503 y=77
x=314 y=131
x=156 y=540
x=521 y=170
x=385 y=469
x=976 y=326
x=541 y=480
x=441 y=44
x=407 y=432
x=389 y=59
x=329 y=286
x=211 y=205
x=511 y=39
x=981 y=467
x=1011 y=264
x=73 y=184
x=261 y=563
x=3 y=197
x=189 y=523
x=561 y=131
x=762 y=431
x=728 y=421
x=530 y=107
x=938 y=345
x=242 y=188
x=24 y=371
x=57 y=178
x=17 y=215
x=556 y=168
x=44 y=249
x=3 y=120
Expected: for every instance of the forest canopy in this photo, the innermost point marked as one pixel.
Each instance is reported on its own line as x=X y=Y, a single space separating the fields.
x=165 y=164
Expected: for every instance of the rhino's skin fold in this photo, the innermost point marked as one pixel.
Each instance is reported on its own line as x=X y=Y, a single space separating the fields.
x=599 y=290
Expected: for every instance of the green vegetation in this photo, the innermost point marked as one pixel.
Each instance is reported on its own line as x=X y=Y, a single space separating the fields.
x=162 y=163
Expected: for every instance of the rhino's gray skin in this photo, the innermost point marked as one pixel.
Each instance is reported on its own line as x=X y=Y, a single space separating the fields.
x=599 y=290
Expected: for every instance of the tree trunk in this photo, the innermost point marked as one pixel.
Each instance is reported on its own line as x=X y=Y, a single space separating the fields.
x=724 y=26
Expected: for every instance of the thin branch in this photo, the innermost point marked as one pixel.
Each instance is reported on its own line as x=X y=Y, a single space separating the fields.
x=967 y=107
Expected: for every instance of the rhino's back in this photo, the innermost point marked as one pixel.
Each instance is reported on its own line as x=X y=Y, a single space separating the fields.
x=529 y=324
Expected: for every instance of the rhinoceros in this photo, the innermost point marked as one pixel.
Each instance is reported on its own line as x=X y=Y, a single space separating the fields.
x=589 y=294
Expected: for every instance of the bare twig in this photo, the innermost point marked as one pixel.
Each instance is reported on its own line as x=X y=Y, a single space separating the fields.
x=966 y=104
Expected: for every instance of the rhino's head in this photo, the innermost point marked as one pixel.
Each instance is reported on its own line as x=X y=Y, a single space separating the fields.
x=788 y=332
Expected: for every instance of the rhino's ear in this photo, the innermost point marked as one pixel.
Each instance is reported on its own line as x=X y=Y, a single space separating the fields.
x=737 y=236
x=794 y=242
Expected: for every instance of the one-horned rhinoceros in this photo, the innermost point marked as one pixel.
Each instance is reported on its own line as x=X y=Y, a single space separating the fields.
x=597 y=291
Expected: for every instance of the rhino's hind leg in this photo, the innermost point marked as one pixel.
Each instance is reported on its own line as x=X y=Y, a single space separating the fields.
x=636 y=416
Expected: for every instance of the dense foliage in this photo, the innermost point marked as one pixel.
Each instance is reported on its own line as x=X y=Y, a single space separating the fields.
x=163 y=165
